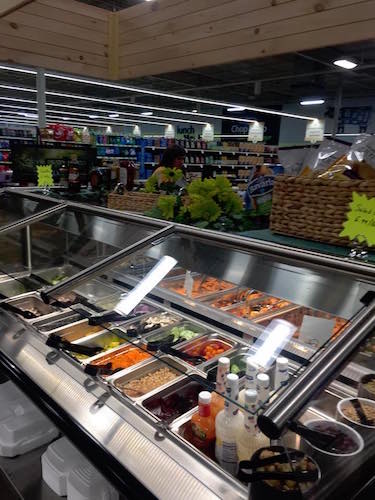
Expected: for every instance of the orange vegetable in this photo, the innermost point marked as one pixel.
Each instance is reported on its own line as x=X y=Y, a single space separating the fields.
x=123 y=359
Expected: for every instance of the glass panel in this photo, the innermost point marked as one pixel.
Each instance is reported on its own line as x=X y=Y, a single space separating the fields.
x=60 y=245
x=14 y=208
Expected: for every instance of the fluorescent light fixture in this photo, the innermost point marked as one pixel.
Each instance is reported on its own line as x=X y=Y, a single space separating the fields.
x=104 y=84
x=236 y=109
x=15 y=87
x=345 y=63
x=113 y=121
x=65 y=118
x=194 y=111
x=149 y=282
x=92 y=116
x=271 y=342
x=147 y=113
x=114 y=115
x=312 y=102
x=231 y=135
x=18 y=70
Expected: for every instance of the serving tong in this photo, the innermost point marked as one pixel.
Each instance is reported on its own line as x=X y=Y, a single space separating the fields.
x=248 y=469
x=58 y=342
x=356 y=404
x=16 y=310
x=165 y=346
x=319 y=439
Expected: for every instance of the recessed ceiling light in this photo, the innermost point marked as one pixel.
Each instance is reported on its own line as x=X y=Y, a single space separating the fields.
x=345 y=63
x=312 y=102
x=114 y=115
x=147 y=113
x=194 y=111
x=94 y=116
x=65 y=118
x=235 y=109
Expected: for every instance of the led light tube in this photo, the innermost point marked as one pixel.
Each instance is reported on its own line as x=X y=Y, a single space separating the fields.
x=149 y=282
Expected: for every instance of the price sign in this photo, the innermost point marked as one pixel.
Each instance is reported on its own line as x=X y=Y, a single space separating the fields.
x=44 y=175
x=256 y=132
x=315 y=130
x=360 y=220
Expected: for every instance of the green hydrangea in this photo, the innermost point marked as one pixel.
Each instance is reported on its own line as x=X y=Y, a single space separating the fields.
x=204 y=209
x=166 y=205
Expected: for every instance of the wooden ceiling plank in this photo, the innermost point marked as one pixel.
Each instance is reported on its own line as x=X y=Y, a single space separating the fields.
x=55 y=13
x=147 y=8
x=77 y=8
x=310 y=39
x=234 y=23
x=206 y=12
x=57 y=26
x=50 y=38
x=8 y=6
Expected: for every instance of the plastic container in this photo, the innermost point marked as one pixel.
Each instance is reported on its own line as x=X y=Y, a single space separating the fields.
x=330 y=461
x=85 y=483
x=57 y=461
x=363 y=391
x=366 y=431
x=23 y=427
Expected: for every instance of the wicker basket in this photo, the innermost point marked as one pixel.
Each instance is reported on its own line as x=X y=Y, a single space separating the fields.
x=314 y=209
x=132 y=202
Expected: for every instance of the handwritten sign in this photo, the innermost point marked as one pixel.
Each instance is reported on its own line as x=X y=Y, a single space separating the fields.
x=44 y=175
x=360 y=221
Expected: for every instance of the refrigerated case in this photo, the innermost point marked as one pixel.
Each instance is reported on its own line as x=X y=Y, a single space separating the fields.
x=71 y=342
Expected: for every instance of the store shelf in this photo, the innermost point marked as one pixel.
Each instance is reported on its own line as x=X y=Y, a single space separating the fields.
x=5 y=162
x=4 y=149
x=17 y=138
x=118 y=157
x=117 y=145
x=220 y=151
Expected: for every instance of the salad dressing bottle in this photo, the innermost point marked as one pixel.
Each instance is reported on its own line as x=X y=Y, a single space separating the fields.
x=249 y=439
x=217 y=400
x=203 y=424
x=250 y=380
x=228 y=421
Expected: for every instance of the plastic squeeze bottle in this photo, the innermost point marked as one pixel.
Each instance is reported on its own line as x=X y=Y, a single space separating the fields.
x=263 y=388
x=217 y=400
x=249 y=438
x=202 y=423
x=228 y=421
x=250 y=381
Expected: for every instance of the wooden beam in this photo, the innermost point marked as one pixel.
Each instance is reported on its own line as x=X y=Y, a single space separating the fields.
x=113 y=46
x=8 y=6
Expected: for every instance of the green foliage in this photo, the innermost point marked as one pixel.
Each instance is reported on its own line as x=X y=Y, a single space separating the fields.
x=164 y=180
x=204 y=209
x=151 y=184
x=166 y=205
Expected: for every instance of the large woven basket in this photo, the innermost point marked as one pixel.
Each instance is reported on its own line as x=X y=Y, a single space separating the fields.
x=132 y=202
x=314 y=209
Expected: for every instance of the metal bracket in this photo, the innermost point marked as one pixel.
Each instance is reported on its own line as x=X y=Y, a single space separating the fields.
x=161 y=432
x=100 y=402
x=18 y=334
x=90 y=385
x=52 y=357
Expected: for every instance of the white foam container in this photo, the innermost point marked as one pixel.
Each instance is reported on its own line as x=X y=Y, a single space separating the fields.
x=23 y=427
x=57 y=461
x=85 y=483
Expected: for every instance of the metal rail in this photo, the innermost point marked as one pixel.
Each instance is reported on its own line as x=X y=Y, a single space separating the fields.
x=20 y=224
x=317 y=375
x=103 y=265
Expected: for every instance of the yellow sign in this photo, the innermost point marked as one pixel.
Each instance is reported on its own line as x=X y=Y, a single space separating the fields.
x=360 y=221
x=44 y=175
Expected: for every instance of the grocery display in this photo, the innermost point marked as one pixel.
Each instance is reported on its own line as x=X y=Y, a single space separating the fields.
x=150 y=378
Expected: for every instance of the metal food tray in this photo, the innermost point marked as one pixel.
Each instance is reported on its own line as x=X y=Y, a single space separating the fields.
x=96 y=290
x=188 y=345
x=163 y=332
x=58 y=320
x=179 y=387
x=264 y=315
x=150 y=366
x=47 y=275
x=97 y=340
x=32 y=300
x=100 y=359
x=233 y=293
x=76 y=331
x=12 y=287
x=170 y=283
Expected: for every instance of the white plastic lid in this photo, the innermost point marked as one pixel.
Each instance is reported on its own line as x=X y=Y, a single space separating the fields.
x=282 y=362
x=263 y=379
x=204 y=398
x=251 y=396
x=224 y=362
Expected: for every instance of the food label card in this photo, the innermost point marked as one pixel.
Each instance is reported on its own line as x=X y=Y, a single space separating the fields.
x=44 y=175
x=360 y=220
x=316 y=331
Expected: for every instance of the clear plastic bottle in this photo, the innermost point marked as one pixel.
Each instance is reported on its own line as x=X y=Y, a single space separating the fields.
x=228 y=421
x=217 y=400
x=250 y=381
x=249 y=439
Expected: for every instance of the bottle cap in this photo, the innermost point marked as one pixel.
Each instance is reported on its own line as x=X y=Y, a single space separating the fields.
x=224 y=362
x=281 y=362
x=205 y=398
x=263 y=380
x=251 y=397
x=232 y=386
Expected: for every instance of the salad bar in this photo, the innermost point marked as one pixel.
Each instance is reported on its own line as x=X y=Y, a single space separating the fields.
x=215 y=344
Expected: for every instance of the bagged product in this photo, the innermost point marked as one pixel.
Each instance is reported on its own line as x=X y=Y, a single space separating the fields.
x=319 y=160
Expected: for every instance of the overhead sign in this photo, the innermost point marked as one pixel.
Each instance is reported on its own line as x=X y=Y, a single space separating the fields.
x=256 y=132
x=315 y=130
x=360 y=220
x=44 y=175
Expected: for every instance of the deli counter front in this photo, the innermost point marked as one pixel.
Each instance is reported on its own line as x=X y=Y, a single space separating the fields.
x=187 y=363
